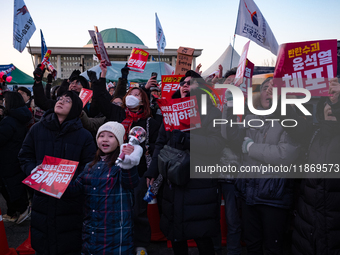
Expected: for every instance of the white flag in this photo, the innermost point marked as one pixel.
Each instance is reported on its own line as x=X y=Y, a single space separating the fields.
x=95 y=58
x=160 y=38
x=23 y=25
x=251 y=24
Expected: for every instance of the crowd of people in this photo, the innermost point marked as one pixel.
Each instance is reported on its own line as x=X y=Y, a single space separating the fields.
x=103 y=210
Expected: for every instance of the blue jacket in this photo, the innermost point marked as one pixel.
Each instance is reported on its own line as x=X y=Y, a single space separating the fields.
x=108 y=224
x=56 y=223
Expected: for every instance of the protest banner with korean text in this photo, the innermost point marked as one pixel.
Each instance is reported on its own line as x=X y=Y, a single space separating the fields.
x=180 y=113
x=184 y=60
x=85 y=95
x=53 y=177
x=307 y=65
x=137 y=60
x=170 y=83
x=241 y=65
x=247 y=77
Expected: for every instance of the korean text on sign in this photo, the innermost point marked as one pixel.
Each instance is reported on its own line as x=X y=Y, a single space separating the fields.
x=181 y=113
x=170 y=83
x=307 y=65
x=53 y=177
x=137 y=60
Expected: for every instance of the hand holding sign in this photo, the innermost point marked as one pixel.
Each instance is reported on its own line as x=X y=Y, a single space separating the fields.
x=103 y=67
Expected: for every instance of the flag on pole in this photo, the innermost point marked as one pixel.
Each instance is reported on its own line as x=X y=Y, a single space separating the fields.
x=160 y=37
x=252 y=24
x=95 y=58
x=23 y=25
x=43 y=44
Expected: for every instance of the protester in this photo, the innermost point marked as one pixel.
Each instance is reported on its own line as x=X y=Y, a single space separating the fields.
x=227 y=189
x=135 y=112
x=2 y=112
x=317 y=221
x=26 y=95
x=265 y=201
x=56 y=223
x=13 y=129
x=75 y=83
x=108 y=191
x=191 y=211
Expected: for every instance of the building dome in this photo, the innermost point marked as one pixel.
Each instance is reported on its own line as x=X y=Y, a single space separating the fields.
x=118 y=35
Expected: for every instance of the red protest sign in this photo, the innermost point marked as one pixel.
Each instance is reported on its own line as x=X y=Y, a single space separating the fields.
x=307 y=65
x=85 y=95
x=170 y=83
x=180 y=113
x=137 y=60
x=99 y=46
x=241 y=65
x=247 y=77
x=53 y=177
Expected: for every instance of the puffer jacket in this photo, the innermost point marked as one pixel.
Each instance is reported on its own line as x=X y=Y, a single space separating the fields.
x=13 y=129
x=108 y=224
x=317 y=221
x=272 y=145
x=56 y=223
x=192 y=210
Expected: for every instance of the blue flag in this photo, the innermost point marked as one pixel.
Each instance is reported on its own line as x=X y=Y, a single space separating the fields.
x=23 y=25
x=43 y=45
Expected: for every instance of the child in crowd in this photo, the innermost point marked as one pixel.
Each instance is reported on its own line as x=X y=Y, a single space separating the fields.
x=108 y=224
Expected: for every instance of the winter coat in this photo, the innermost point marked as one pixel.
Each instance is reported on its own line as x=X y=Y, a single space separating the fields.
x=108 y=201
x=317 y=221
x=56 y=223
x=192 y=210
x=272 y=145
x=13 y=129
x=116 y=113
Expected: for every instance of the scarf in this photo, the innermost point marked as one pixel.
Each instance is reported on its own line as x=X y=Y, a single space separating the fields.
x=130 y=118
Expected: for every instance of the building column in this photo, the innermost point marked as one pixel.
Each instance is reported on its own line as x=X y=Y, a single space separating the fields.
x=173 y=61
x=193 y=63
x=82 y=62
x=36 y=60
x=58 y=66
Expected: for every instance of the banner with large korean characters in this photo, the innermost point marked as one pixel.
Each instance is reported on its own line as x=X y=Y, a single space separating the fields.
x=53 y=177
x=180 y=113
x=170 y=83
x=137 y=60
x=307 y=65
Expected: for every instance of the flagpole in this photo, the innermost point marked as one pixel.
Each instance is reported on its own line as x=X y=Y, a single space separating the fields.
x=29 y=46
x=160 y=67
x=232 y=53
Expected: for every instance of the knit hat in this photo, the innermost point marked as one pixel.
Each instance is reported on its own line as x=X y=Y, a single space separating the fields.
x=77 y=105
x=115 y=128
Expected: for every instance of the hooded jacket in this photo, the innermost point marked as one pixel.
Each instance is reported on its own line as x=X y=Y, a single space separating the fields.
x=192 y=210
x=13 y=129
x=317 y=221
x=56 y=224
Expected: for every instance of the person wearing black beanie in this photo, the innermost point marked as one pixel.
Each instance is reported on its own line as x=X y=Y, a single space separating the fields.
x=56 y=226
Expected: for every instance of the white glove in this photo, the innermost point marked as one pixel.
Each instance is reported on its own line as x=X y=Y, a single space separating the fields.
x=132 y=159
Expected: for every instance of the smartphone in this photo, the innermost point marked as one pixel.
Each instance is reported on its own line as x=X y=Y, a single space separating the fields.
x=154 y=74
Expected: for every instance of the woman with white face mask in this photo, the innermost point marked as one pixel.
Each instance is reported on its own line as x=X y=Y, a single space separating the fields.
x=135 y=111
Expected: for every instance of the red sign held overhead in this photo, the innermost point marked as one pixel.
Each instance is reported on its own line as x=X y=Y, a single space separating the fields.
x=137 y=60
x=85 y=95
x=180 y=113
x=241 y=65
x=307 y=65
x=53 y=177
x=170 y=83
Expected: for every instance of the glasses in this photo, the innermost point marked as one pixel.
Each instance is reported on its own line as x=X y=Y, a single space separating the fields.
x=64 y=100
x=183 y=83
x=75 y=82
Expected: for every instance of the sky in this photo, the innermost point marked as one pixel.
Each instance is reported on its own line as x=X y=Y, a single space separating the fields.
x=199 y=24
